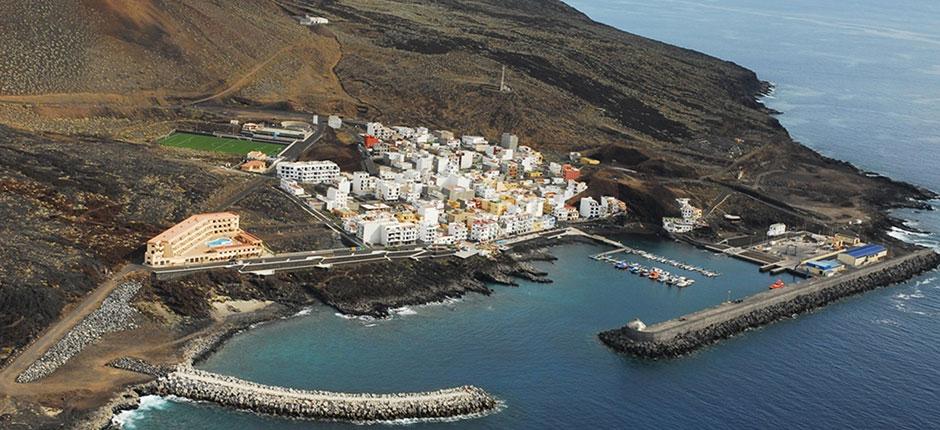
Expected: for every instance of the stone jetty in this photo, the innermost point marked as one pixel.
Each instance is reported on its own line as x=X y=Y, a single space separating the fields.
x=232 y=392
x=682 y=335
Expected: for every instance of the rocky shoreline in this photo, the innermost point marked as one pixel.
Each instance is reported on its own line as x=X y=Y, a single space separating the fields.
x=625 y=339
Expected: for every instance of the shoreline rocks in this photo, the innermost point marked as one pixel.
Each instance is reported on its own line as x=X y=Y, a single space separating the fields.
x=626 y=339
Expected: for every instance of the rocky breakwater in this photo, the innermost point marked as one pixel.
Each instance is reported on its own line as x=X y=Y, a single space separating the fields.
x=685 y=334
x=115 y=314
x=232 y=392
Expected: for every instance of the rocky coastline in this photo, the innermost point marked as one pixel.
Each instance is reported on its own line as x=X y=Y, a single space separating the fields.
x=625 y=339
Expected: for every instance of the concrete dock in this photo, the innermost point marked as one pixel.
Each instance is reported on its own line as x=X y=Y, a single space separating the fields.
x=684 y=334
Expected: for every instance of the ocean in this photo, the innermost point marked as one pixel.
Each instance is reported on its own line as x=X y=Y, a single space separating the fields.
x=858 y=81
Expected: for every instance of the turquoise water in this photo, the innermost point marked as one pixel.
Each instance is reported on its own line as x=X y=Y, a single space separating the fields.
x=222 y=241
x=858 y=80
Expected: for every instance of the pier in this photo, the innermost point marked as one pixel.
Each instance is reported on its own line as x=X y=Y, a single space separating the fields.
x=657 y=258
x=684 y=334
x=199 y=385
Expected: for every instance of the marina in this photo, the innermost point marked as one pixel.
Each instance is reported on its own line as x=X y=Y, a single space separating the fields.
x=653 y=273
x=606 y=256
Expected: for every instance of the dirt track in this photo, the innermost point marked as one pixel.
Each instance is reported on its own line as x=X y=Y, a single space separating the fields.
x=54 y=333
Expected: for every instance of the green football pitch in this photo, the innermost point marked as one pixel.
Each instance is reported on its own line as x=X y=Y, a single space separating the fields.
x=219 y=144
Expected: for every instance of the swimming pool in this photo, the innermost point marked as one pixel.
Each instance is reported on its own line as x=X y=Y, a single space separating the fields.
x=222 y=241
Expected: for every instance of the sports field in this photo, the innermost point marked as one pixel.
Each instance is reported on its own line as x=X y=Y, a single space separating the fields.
x=219 y=144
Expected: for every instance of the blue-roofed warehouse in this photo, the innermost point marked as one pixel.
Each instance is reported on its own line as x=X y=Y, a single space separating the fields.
x=864 y=254
x=823 y=267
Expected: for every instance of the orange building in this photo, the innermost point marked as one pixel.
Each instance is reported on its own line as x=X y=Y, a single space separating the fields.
x=254 y=166
x=570 y=173
x=202 y=238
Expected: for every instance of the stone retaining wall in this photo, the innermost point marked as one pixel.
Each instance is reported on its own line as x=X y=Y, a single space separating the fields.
x=695 y=332
x=115 y=314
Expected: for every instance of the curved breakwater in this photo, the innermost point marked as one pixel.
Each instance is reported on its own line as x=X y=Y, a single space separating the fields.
x=682 y=335
x=232 y=392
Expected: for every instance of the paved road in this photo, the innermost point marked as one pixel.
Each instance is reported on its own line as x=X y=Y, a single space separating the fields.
x=325 y=219
x=313 y=259
x=296 y=149
x=250 y=186
x=58 y=330
x=725 y=311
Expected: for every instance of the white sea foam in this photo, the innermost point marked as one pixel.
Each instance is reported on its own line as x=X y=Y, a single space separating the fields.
x=126 y=419
x=366 y=318
x=404 y=310
x=922 y=239
x=304 y=311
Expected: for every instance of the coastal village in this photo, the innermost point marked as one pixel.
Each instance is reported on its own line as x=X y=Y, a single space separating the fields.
x=217 y=201
x=421 y=188
x=433 y=189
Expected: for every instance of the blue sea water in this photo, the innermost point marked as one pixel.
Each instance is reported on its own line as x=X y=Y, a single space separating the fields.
x=857 y=80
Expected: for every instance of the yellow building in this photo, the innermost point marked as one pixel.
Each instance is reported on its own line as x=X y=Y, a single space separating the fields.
x=495 y=207
x=202 y=238
x=406 y=217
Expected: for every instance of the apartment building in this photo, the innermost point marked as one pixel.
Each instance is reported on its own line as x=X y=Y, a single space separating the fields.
x=202 y=238
x=310 y=172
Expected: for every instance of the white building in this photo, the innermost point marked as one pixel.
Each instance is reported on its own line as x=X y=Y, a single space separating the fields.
x=590 y=208
x=376 y=129
x=458 y=231
x=429 y=213
x=315 y=172
x=343 y=184
x=388 y=190
x=466 y=159
x=471 y=141
x=336 y=199
x=370 y=231
x=313 y=20
x=776 y=229
x=334 y=121
x=548 y=222
x=395 y=233
x=691 y=217
x=292 y=187
x=363 y=183
x=484 y=230
x=428 y=232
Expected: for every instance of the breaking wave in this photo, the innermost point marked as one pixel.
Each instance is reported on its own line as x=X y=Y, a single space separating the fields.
x=125 y=419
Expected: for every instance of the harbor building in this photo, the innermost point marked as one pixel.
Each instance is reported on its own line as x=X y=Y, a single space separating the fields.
x=202 y=238
x=824 y=268
x=309 y=172
x=862 y=255
x=777 y=229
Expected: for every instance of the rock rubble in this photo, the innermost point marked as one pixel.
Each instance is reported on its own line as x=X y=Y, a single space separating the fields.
x=115 y=314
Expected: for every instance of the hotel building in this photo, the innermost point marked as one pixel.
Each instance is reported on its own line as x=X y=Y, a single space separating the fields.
x=202 y=238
